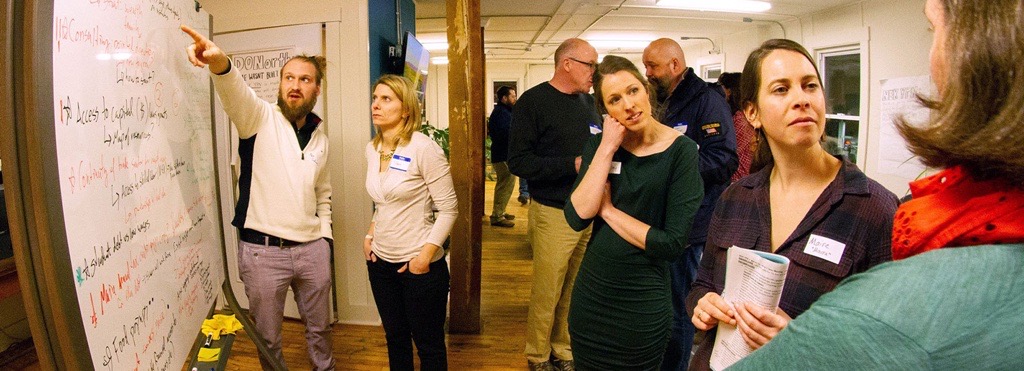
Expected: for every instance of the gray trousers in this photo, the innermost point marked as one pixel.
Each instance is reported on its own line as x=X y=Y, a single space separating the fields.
x=267 y=272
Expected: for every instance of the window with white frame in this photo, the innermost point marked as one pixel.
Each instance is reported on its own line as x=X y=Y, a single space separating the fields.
x=841 y=75
x=710 y=72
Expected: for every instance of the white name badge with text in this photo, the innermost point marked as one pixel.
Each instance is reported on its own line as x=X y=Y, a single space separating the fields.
x=825 y=248
x=616 y=168
x=680 y=127
x=400 y=163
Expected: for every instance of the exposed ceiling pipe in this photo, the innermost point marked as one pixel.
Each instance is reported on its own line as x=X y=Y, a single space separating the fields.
x=714 y=49
x=749 y=20
x=588 y=26
x=600 y=18
x=572 y=14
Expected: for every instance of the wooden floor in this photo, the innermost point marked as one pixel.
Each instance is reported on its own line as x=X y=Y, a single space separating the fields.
x=505 y=294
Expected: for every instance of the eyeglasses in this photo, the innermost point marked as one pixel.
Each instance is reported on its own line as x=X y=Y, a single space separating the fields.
x=591 y=65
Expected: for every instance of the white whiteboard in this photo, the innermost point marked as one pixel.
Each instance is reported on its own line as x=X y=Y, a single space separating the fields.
x=135 y=156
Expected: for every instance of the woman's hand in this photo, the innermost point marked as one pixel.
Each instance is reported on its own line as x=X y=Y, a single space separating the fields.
x=612 y=133
x=418 y=265
x=759 y=326
x=421 y=263
x=712 y=309
x=368 y=249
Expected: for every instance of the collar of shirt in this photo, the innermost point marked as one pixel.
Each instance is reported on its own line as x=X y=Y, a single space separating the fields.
x=305 y=133
x=849 y=181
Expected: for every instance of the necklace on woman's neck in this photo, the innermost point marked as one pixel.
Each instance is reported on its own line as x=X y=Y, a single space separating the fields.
x=386 y=154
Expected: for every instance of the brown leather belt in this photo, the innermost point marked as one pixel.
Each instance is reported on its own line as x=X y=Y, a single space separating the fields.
x=260 y=238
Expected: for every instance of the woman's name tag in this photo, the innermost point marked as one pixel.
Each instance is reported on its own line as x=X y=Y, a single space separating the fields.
x=825 y=248
x=400 y=163
x=616 y=168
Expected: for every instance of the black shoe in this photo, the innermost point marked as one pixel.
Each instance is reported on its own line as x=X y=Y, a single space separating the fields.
x=541 y=366
x=509 y=217
x=561 y=365
x=504 y=223
x=523 y=200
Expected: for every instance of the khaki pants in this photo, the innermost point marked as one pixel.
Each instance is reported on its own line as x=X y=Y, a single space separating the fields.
x=502 y=190
x=557 y=253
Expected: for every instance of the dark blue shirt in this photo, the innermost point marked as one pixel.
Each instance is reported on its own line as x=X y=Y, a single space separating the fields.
x=704 y=116
x=498 y=127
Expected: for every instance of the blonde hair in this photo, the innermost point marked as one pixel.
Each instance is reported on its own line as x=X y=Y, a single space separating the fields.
x=404 y=90
x=318 y=62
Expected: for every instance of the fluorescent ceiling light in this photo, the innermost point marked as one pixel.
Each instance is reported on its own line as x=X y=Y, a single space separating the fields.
x=435 y=46
x=439 y=60
x=619 y=44
x=736 y=6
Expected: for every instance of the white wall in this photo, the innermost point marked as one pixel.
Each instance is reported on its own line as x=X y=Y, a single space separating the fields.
x=347 y=100
x=527 y=74
x=437 y=96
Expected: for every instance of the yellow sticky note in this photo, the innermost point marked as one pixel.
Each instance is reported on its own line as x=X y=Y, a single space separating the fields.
x=209 y=354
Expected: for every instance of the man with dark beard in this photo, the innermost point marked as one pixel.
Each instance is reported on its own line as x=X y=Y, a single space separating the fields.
x=283 y=213
x=689 y=106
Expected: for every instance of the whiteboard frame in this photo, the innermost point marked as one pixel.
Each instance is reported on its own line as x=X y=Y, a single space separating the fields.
x=33 y=189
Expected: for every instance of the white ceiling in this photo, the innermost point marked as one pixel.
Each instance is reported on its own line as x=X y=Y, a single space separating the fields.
x=531 y=30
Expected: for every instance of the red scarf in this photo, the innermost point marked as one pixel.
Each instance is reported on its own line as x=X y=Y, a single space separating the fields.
x=952 y=209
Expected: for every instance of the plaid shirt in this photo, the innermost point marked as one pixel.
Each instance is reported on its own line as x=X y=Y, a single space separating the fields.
x=852 y=210
x=744 y=145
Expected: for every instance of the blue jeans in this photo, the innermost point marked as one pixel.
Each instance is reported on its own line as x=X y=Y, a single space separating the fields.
x=523 y=191
x=684 y=273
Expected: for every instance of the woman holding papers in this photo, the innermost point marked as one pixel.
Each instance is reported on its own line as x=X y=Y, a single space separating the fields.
x=940 y=307
x=407 y=175
x=799 y=201
x=640 y=187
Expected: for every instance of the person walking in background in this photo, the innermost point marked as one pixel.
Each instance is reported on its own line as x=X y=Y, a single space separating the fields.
x=407 y=174
x=640 y=187
x=690 y=107
x=952 y=299
x=498 y=127
x=524 y=192
x=730 y=82
x=799 y=201
x=285 y=237
x=550 y=125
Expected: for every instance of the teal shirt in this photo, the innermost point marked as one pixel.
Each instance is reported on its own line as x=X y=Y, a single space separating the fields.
x=948 y=309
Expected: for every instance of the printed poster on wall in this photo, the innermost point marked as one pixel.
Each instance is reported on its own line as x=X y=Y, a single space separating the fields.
x=899 y=97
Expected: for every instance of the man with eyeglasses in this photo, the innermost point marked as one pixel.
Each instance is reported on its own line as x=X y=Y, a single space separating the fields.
x=691 y=107
x=550 y=124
